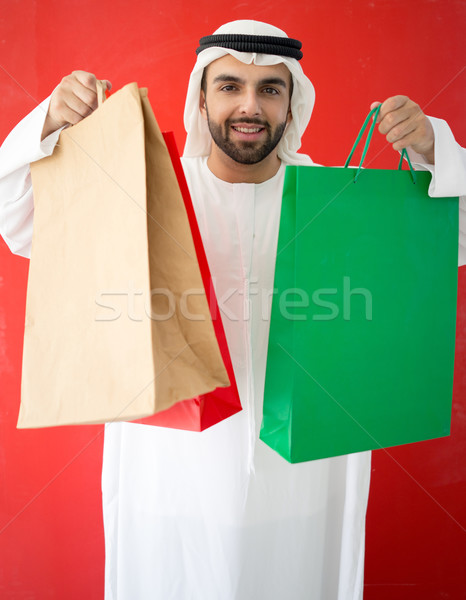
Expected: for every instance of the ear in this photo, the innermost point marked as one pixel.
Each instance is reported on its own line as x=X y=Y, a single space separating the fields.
x=202 y=105
x=289 y=117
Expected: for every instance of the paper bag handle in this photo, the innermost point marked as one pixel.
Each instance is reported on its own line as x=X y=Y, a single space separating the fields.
x=101 y=87
x=374 y=113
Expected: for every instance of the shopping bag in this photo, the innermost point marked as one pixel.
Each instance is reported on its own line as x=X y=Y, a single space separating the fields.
x=362 y=332
x=197 y=414
x=118 y=325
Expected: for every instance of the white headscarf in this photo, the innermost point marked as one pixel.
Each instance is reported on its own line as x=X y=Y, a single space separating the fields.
x=199 y=140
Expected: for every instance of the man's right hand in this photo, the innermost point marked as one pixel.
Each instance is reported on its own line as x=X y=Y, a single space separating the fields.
x=72 y=100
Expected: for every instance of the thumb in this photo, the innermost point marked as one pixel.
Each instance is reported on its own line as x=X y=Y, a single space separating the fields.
x=107 y=84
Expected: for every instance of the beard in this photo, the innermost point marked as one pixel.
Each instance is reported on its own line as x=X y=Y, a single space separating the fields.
x=244 y=152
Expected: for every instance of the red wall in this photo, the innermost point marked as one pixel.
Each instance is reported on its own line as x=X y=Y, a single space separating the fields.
x=51 y=538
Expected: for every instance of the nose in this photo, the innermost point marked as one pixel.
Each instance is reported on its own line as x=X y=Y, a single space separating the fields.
x=250 y=103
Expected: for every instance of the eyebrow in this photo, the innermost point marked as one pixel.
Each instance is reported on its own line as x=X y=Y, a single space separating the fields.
x=225 y=78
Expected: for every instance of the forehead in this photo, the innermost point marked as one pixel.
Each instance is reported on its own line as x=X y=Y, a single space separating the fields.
x=228 y=65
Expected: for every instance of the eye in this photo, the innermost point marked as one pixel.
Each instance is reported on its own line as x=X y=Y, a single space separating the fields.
x=271 y=91
x=228 y=88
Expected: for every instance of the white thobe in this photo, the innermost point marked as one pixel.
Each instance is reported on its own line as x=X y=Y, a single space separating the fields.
x=219 y=515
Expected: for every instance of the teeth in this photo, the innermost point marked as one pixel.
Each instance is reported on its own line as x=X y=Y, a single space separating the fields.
x=248 y=129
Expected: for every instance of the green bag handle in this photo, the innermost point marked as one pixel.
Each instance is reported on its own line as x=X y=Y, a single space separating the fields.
x=374 y=113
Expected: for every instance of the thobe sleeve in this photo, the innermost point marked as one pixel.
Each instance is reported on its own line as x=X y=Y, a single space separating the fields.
x=448 y=174
x=22 y=147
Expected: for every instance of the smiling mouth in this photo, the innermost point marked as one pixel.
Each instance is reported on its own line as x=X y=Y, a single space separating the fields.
x=247 y=129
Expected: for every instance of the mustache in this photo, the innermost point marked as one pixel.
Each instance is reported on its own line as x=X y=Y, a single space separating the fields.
x=249 y=121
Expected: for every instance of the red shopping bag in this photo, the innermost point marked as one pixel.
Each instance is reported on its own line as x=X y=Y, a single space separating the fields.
x=200 y=412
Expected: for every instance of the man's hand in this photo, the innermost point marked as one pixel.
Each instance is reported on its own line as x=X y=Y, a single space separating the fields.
x=72 y=100
x=404 y=124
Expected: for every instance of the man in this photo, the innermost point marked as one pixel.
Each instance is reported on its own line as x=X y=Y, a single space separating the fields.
x=219 y=515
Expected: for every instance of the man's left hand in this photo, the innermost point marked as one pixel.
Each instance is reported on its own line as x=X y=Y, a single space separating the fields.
x=404 y=124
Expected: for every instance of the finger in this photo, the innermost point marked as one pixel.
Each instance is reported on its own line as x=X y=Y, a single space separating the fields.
x=64 y=115
x=72 y=116
x=421 y=139
x=85 y=95
x=408 y=140
x=410 y=110
x=67 y=107
x=88 y=95
x=79 y=106
x=392 y=120
x=392 y=104
x=71 y=86
x=84 y=85
x=403 y=129
x=88 y=80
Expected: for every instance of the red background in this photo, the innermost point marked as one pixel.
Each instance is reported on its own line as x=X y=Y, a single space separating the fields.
x=51 y=537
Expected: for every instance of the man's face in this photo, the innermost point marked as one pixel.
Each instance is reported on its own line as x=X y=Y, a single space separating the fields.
x=247 y=107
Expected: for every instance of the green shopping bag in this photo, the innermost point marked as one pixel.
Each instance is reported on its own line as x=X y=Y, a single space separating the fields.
x=362 y=332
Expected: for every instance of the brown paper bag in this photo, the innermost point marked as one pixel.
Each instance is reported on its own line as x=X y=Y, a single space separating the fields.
x=114 y=281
